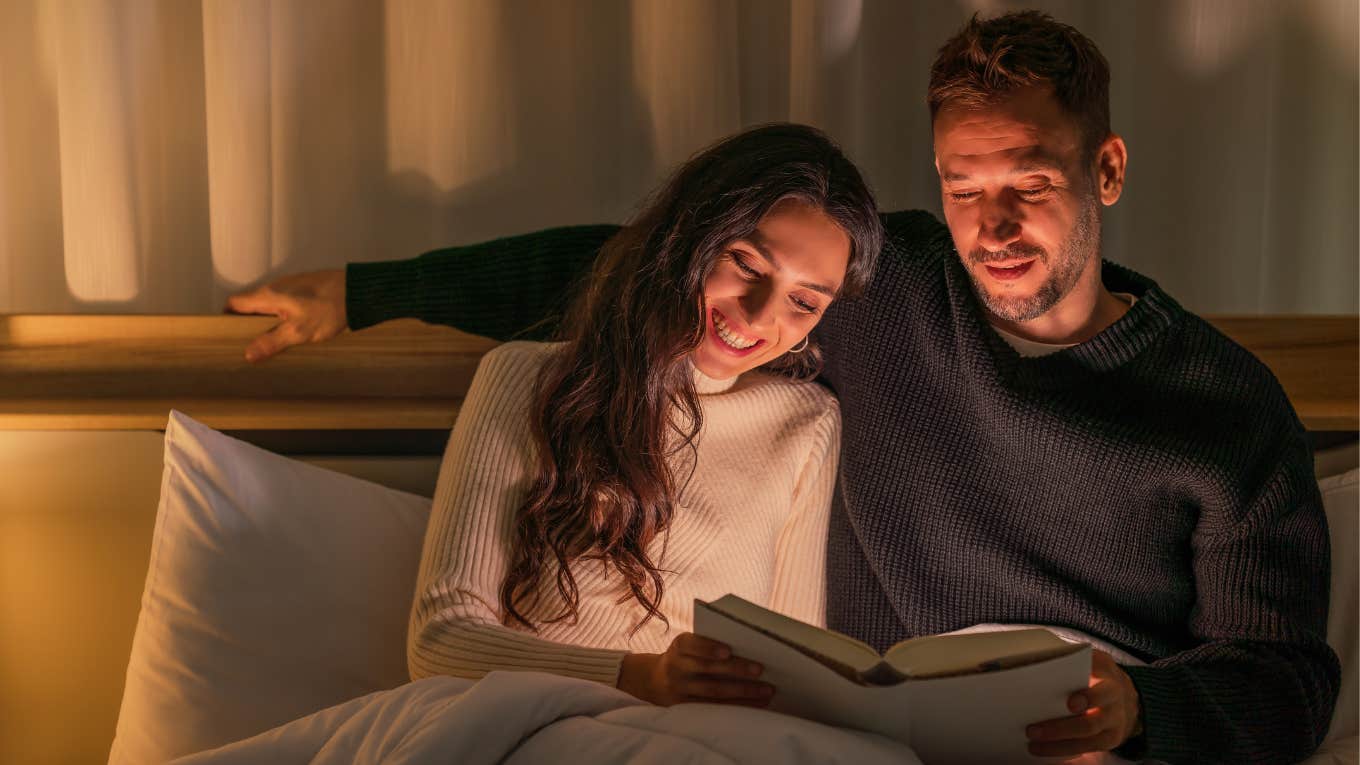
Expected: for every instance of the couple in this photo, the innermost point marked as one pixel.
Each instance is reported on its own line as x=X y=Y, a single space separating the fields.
x=1025 y=434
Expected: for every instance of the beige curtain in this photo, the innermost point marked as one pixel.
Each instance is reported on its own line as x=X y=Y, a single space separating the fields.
x=156 y=155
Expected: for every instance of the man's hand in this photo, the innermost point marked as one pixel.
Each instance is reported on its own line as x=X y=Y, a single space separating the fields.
x=694 y=668
x=1106 y=714
x=311 y=306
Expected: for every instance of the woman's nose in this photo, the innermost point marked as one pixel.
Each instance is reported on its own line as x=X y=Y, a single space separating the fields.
x=758 y=305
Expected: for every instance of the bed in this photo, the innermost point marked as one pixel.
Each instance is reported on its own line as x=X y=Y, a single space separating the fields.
x=85 y=404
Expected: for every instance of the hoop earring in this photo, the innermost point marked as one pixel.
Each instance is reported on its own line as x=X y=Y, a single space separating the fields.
x=800 y=349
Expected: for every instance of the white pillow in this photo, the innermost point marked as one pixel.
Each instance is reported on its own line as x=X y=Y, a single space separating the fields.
x=275 y=589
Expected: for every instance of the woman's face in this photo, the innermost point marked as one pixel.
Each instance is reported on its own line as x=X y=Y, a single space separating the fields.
x=769 y=290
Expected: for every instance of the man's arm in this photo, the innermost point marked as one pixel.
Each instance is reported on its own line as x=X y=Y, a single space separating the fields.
x=1262 y=685
x=505 y=288
x=515 y=287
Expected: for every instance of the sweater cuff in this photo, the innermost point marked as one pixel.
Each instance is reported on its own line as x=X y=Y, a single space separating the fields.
x=377 y=292
x=1160 y=695
x=604 y=666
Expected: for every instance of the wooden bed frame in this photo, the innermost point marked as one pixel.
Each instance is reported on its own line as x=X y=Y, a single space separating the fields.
x=111 y=372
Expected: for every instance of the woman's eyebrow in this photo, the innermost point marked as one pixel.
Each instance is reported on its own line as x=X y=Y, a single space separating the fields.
x=757 y=243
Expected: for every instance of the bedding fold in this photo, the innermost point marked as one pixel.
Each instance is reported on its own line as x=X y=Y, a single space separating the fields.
x=529 y=717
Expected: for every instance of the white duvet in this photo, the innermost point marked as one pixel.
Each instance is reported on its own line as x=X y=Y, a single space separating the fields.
x=531 y=717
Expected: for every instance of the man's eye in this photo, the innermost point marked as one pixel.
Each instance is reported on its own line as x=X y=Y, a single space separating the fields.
x=963 y=196
x=1034 y=193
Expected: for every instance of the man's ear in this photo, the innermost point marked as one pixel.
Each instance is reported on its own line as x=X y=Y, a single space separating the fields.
x=1111 y=159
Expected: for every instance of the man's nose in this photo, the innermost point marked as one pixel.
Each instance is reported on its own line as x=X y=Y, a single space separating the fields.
x=999 y=222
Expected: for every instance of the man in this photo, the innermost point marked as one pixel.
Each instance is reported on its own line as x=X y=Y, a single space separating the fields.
x=1031 y=435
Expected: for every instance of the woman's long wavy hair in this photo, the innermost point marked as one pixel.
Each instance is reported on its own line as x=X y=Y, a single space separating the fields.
x=618 y=399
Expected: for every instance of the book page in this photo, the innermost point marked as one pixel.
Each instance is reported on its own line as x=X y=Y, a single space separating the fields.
x=945 y=655
x=806 y=686
x=841 y=649
x=980 y=719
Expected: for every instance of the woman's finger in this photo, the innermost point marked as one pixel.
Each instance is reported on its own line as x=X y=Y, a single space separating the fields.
x=734 y=666
x=695 y=645
x=717 y=690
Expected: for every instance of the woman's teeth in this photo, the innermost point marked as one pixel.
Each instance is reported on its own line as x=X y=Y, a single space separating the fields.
x=733 y=339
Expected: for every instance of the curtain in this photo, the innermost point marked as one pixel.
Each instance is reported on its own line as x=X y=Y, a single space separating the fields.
x=158 y=155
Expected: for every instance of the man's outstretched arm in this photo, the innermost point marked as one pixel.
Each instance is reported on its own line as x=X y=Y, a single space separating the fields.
x=504 y=288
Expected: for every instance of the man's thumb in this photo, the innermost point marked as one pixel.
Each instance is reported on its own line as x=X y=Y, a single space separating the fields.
x=267 y=345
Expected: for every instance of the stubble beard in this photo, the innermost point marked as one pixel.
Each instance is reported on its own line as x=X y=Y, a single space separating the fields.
x=1064 y=270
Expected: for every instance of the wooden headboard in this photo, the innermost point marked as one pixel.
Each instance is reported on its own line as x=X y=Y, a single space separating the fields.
x=109 y=372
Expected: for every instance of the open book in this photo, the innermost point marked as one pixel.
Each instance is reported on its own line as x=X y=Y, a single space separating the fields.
x=954 y=698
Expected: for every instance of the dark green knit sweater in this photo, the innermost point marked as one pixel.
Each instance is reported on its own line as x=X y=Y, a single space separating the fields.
x=1151 y=486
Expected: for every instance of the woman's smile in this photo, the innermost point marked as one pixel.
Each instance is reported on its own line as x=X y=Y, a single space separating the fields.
x=728 y=339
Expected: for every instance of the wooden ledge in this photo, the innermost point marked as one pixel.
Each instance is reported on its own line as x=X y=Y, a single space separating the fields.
x=107 y=372
x=1316 y=358
x=114 y=372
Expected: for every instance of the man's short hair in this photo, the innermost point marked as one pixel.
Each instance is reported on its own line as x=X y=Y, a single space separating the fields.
x=989 y=59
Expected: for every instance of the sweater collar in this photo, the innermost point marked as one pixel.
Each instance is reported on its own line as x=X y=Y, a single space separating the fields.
x=707 y=386
x=1144 y=323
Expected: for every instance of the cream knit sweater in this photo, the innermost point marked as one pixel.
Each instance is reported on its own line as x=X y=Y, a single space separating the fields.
x=751 y=521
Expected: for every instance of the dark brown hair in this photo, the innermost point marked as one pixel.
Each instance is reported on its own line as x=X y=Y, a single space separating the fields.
x=989 y=59
x=617 y=400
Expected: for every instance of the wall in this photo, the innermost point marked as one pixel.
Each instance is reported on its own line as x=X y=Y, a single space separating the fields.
x=157 y=155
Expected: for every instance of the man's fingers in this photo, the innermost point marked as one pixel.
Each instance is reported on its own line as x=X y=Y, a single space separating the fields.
x=1103 y=741
x=261 y=301
x=1099 y=656
x=1103 y=694
x=271 y=342
x=1063 y=728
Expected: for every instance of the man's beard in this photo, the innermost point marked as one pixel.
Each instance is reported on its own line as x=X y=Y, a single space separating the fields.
x=1064 y=269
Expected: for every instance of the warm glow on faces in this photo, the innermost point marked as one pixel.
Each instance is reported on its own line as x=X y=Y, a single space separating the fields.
x=767 y=291
x=1020 y=201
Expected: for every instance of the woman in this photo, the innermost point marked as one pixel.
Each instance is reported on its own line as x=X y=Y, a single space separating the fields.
x=593 y=488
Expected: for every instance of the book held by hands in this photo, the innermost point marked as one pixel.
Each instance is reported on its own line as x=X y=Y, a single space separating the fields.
x=963 y=698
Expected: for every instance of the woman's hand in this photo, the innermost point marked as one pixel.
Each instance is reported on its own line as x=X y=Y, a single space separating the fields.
x=694 y=668
x=311 y=307
x=1107 y=715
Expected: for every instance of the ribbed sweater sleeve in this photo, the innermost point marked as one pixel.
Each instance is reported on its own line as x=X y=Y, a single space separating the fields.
x=485 y=474
x=515 y=287
x=800 y=558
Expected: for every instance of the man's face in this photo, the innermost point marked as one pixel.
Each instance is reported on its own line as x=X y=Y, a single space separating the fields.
x=1020 y=199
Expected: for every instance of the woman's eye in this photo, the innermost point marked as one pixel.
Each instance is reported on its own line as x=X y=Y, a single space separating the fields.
x=745 y=269
x=804 y=306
